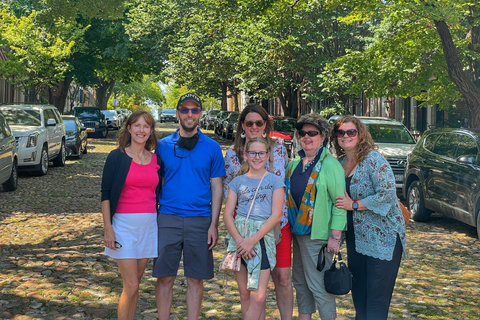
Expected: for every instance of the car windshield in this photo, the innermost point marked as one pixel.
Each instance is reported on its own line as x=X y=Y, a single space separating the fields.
x=70 y=126
x=87 y=112
x=109 y=113
x=169 y=111
x=22 y=117
x=213 y=112
x=284 y=125
x=389 y=133
x=234 y=117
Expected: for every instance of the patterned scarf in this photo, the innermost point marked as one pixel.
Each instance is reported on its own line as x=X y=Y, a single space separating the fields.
x=301 y=218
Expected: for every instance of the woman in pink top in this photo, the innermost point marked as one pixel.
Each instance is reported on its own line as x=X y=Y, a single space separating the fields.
x=130 y=184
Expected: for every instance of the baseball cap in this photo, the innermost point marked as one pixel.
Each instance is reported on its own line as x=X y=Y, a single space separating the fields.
x=189 y=97
x=299 y=125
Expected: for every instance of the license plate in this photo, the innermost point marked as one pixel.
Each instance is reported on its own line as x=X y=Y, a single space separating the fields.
x=90 y=130
x=399 y=177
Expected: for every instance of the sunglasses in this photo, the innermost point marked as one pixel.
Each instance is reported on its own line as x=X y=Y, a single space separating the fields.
x=350 y=132
x=253 y=154
x=186 y=110
x=258 y=123
x=117 y=245
x=312 y=133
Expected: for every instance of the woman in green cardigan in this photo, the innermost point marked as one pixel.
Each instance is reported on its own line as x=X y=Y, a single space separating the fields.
x=314 y=178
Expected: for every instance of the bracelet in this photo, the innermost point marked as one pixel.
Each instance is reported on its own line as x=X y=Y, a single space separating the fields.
x=336 y=239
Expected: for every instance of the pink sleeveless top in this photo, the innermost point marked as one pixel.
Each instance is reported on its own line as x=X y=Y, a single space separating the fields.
x=138 y=193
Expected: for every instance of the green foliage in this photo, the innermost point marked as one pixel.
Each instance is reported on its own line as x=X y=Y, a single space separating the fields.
x=139 y=94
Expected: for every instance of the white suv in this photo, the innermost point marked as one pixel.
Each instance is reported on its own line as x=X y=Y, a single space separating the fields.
x=8 y=157
x=39 y=133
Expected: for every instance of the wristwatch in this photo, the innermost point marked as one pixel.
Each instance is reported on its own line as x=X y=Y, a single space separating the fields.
x=355 y=205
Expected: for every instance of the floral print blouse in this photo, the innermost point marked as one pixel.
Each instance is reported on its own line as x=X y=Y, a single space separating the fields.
x=279 y=163
x=377 y=227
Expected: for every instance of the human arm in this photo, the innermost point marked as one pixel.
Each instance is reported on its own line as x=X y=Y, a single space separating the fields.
x=109 y=234
x=217 y=196
x=231 y=168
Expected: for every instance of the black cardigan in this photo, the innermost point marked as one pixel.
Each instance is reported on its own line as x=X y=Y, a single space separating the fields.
x=114 y=175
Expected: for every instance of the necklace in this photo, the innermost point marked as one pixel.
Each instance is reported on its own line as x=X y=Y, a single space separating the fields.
x=139 y=157
x=309 y=163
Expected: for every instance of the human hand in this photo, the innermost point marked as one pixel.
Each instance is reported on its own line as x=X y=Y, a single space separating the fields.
x=212 y=236
x=109 y=239
x=245 y=247
x=333 y=245
x=344 y=202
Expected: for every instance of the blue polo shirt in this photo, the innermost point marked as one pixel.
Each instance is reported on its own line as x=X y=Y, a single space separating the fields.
x=186 y=190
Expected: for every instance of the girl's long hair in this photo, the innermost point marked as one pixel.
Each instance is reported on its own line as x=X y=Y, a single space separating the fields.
x=245 y=166
x=365 y=141
x=125 y=138
x=239 y=145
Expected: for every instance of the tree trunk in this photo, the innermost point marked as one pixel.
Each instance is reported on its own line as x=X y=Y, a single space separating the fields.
x=289 y=100
x=61 y=94
x=103 y=92
x=224 y=96
x=463 y=81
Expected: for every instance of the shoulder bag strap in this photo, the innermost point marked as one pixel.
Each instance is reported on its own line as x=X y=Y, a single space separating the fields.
x=251 y=205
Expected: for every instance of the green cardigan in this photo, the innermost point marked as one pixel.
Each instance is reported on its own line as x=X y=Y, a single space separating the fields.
x=330 y=184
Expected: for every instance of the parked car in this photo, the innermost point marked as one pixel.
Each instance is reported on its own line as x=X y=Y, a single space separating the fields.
x=114 y=119
x=229 y=124
x=76 y=137
x=168 y=115
x=211 y=118
x=443 y=175
x=8 y=157
x=202 y=121
x=221 y=116
x=92 y=119
x=39 y=133
x=394 y=140
x=284 y=128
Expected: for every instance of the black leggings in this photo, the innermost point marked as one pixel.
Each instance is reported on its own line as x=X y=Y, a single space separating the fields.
x=265 y=263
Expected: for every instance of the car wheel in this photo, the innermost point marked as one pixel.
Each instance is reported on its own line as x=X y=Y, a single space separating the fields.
x=12 y=183
x=478 y=225
x=104 y=133
x=85 y=150
x=415 y=203
x=80 y=154
x=43 y=163
x=59 y=160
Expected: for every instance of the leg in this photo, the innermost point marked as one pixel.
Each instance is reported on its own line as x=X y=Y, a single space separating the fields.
x=283 y=291
x=132 y=272
x=258 y=297
x=164 y=296
x=357 y=263
x=242 y=279
x=381 y=281
x=194 y=297
x=305 y=300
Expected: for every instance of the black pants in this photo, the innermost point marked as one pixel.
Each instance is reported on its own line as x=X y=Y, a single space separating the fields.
x=373 y=280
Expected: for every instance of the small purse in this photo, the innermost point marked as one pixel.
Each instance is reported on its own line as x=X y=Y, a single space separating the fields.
x=231 y=262
x=338 y=279
x=406 y=214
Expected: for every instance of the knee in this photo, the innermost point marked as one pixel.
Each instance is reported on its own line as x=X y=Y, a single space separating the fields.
x=259 y=298
x=131 y=287
x=165 y=282
x=282 y=279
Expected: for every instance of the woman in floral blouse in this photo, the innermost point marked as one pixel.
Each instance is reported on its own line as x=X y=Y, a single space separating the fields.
x=376 y=229
x=254 y=122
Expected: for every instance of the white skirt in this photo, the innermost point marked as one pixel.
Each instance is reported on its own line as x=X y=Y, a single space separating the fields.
x=138 y=235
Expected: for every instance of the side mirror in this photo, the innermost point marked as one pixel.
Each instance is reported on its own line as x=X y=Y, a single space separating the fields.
x=82 y=128
x=51 y=122
x=465 y=160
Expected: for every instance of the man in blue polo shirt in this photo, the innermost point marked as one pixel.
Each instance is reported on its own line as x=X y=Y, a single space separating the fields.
x=190 y=202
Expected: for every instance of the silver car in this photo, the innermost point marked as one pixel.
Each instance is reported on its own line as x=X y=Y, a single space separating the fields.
x=8 y=157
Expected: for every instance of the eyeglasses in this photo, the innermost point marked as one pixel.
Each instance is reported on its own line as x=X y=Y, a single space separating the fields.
x=258 y=123
x=193 y=110
x=117 y=245
x=350 y=132
x=253 y=154
x=312 y=133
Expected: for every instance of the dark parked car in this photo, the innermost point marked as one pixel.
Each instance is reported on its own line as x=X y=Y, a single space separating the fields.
x=168 y=115
x=221 y=116
x=8 y=157
x=229 y=124
x=76 y=137
x=284 y=128
x=443 y=175
x=92 y=119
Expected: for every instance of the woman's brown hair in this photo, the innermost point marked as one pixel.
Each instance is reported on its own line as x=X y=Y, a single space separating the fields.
x=365 y=141
x=125 y=138
x=239 y=145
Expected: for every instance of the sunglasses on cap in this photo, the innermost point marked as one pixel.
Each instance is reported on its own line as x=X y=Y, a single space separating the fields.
x=350 y=132
x=258 y=123
x=312 y=133
x=184 y=110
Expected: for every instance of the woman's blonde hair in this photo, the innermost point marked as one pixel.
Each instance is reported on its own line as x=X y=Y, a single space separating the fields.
x=125 y=138
x=365 y=141
x=245 y=166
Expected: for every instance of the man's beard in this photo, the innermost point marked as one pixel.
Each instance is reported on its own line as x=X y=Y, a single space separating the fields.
x=188 y=129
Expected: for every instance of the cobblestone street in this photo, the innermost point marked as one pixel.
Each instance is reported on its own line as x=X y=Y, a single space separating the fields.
x=52 y=264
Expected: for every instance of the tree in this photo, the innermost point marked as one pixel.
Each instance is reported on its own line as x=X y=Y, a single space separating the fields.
x=425 y=49
x=138 y=94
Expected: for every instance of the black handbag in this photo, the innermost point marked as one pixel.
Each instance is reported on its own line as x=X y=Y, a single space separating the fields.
x=338 y=279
